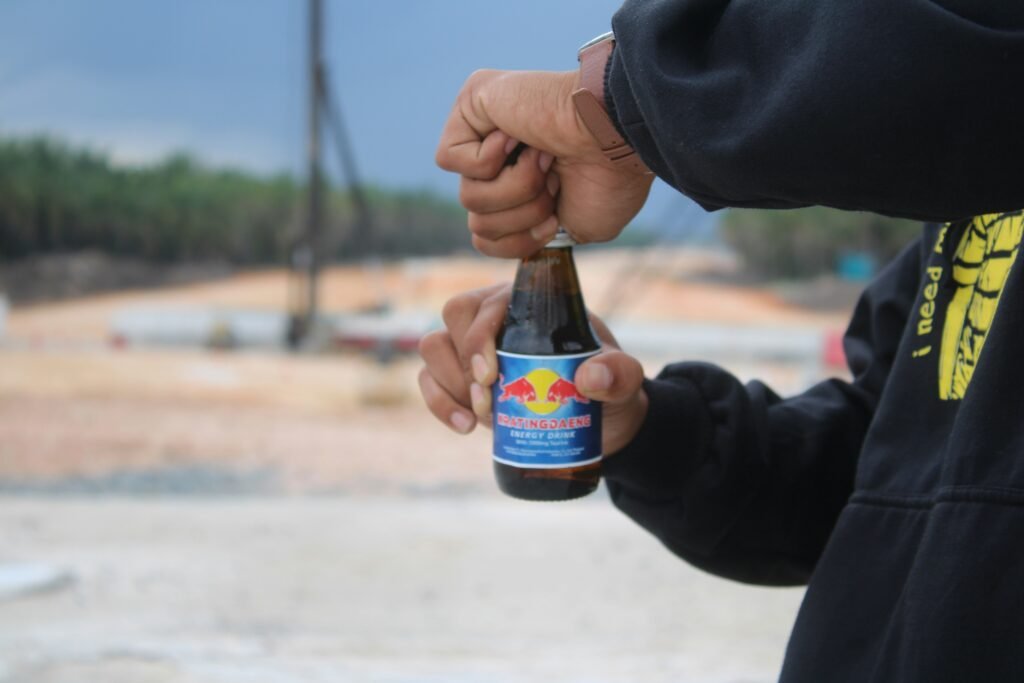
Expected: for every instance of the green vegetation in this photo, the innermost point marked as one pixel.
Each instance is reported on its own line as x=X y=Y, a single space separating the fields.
x=54 y=197
x=808 y=242
x=58 y=198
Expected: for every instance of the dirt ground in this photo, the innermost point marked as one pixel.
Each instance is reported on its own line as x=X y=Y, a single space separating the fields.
x=98 y=421
x=662 y=284
x=78 y=414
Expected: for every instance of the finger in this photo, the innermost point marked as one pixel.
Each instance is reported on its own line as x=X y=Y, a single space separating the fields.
x=602 y=331
x=494 y=226
x=481 y=400
x=443 y=406
x=514 y=185
x=438 y=352
x=464 y=151
x=611 y=377
x=520 y=244
x=553 y=183
x=459 y=314
x=476 y=343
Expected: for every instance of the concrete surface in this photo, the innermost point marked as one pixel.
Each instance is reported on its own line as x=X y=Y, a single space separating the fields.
x=22 y=579
x=371 y=590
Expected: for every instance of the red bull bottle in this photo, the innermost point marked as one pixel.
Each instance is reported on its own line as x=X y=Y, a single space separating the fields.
x=547 y=435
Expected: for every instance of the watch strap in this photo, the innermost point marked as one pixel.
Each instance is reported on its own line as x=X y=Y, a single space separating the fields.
x=589 y=102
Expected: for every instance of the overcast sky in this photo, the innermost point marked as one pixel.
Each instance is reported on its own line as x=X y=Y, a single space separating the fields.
x=224 y=79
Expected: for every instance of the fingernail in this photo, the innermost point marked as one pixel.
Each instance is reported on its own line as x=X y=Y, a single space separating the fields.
x=480 y=368
x=510 y=145
x=462 y=422
x=544 y=161
x=476 y=395
x=554 y=184
x=597 y=378
x=544 y=231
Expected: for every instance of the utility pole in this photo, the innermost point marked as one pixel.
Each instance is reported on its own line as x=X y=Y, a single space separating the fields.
x=306 y=258
x=314 y=215
x=307 y=255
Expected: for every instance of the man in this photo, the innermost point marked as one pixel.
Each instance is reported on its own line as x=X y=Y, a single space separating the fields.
x=899 y=496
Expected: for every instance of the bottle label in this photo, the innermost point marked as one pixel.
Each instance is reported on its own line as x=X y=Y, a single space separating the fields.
x=540 y=419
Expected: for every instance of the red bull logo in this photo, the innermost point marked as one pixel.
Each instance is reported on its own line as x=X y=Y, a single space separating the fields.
x=564 y=391
x=541 y=382
x=519 y=390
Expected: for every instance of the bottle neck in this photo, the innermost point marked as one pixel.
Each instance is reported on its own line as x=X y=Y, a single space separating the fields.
x=550 y=271
x=546 y=313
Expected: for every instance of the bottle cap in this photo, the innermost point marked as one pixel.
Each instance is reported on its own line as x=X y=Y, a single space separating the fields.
x=561 y=239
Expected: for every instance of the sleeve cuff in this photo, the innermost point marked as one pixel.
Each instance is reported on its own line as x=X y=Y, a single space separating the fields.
x=626 y=116
x=609 y=101
x=670 y=445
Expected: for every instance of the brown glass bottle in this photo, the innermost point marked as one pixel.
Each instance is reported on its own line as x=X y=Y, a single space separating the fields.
x=547 y=435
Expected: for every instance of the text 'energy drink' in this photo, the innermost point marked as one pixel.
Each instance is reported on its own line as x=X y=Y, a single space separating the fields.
x=547 y=435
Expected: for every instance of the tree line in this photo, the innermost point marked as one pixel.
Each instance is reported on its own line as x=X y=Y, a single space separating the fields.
x=55 y=197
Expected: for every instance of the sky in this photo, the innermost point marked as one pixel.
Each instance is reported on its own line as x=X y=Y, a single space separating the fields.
x=225 y=80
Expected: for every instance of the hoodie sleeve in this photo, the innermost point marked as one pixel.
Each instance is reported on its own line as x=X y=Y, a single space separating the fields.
x=744 y=484
x=903 y=107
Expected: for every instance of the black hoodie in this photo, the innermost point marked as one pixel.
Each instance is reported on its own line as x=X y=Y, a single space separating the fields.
x=899 y=496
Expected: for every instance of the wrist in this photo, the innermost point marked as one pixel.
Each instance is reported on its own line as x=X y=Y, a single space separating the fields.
x=576 y=130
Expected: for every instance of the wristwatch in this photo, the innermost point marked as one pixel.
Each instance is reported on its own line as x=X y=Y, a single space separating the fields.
x=589 y=101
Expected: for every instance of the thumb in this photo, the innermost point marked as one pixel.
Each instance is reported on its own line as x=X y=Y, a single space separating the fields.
x=611 y=377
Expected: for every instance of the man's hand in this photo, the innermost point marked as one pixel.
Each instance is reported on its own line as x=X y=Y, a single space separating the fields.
x=461 y=366
x=562 y=179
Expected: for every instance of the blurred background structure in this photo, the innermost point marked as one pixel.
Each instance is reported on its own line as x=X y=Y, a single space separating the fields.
x=185 y=496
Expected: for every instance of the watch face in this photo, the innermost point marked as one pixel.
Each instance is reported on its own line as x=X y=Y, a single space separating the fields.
x=601 y=38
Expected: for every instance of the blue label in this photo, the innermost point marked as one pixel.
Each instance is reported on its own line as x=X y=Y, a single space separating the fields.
x=540 y=419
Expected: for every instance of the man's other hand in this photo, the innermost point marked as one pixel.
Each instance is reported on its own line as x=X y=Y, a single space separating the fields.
x=461 y=365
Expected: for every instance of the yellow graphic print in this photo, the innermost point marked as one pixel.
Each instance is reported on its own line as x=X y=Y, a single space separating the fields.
x=980 y=267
